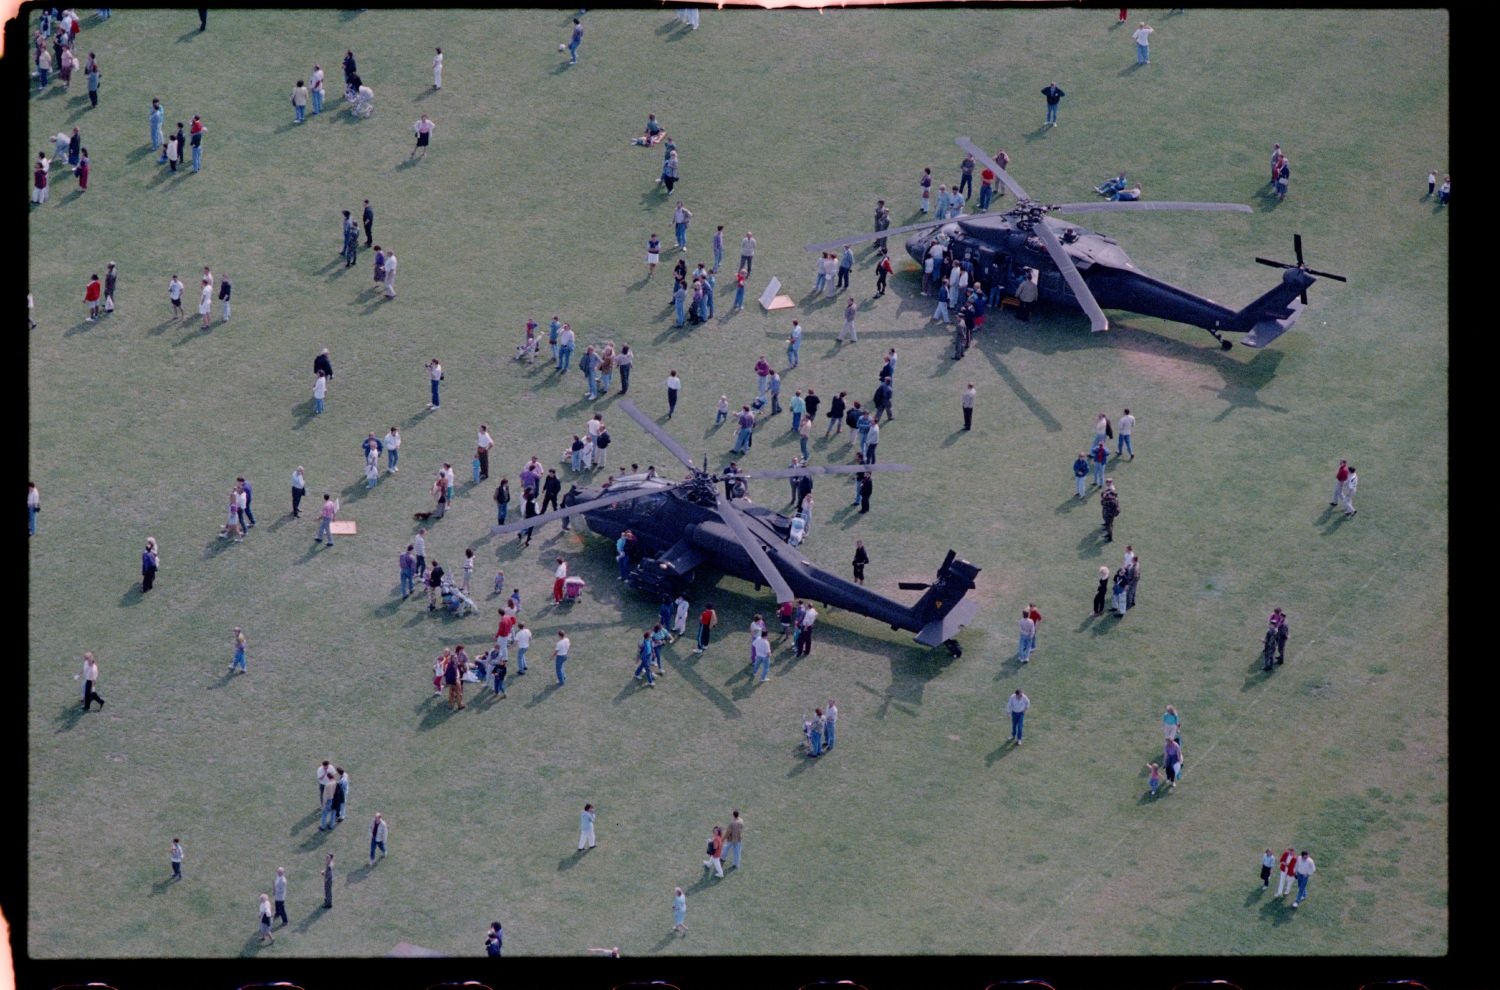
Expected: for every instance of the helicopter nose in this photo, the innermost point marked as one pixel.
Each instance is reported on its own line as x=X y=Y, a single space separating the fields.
x=916 y=247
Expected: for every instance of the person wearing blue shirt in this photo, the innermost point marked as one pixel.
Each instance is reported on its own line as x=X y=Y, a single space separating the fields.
x=1127 y=195
x=1054 y=95
x=575 y=42
x=646 y=653
x=1081 y=471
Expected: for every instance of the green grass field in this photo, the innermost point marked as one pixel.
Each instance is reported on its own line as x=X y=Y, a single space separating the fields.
x=925 y=832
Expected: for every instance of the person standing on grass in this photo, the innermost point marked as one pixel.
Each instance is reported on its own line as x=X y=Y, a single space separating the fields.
x=575 y=41
x=849 y=331
x=390 y=274
x=33 y=506
x=150 y=563
x=1267 y=864
x=1351 y=485
x=278 y=891
x=196 y=140
x=1122 y=440
x=351 y=240
x=320 y=391
x=1286 y=871
x=423 y=130
x=1054 y=96
x=437 y=70
x=299 y=102
x=747 y=253
x=1018 y=705
x=328 y=882
x=316 y=81
x=653 y=254
x=679 y=911
x=225 y=290
x=1303 y=872
x=325 y=519
x=91 y=71
x=435 y=374
x=483 y=444
x=91 y=295
x=1142 y=39
x=560 y=651
x=39 y=190
x=238 y=663
x=681 y=217
x=379 y=829
x=715 y=860
x=265 y=919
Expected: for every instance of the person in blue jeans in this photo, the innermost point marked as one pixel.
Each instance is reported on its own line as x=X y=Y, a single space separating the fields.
x=830 y=718
x=1054 y=95
x=560 y=653
x=646 y=654
x=1017 y=706
x=1100 y=457
x=33 y=504
x=435 y=372
x=157 y=142
x=575 y=42
x=408 y=564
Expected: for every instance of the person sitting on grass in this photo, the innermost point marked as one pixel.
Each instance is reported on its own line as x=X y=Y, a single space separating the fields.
x=1127 y=195
x=1111 y=186
x=653 y=132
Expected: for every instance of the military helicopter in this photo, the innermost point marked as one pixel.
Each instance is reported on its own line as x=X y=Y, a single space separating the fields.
x=1038 y=256
x=681 y=525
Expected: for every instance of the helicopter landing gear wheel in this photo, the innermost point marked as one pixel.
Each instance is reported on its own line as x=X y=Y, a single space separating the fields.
x=1225 y=345
x=954 y=650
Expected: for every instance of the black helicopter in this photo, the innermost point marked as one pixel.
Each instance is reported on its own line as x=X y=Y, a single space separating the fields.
x=1037 y=256
x=681 y=525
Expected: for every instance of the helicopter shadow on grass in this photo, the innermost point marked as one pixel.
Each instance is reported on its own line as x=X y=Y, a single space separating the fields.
x=911 y=669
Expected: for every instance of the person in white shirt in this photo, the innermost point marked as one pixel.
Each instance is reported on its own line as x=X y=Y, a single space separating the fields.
x=760 y=656
x=1018 y=705
x=435 y=372
x=1346 y=494
x=174 y=293
x=1122 y=444
x=205 y=301
x=299 y=489
x=830 y=716
x=392 y=450
x=325 y=773
x=278 y=891
x=437 y=70
x=390 y=274
x=674 y=387
x=482 y=451
x=757 y=630
x=560 y=654
x=680 y=615
x=90 y=678
x=1028 y=630
x=522 y=637
x=1142 y=37
x=316 y=82
x=33 y=506
x=1304 y=871
x=586 y=828
x=805 y=632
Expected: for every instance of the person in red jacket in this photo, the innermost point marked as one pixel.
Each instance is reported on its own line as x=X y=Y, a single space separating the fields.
x=1339 y=479
x=1286 y=882
x=1036 y=618
x=91 y=296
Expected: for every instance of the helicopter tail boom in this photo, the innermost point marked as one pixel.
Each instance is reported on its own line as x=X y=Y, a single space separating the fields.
x=1273 y=314
x=941 y=611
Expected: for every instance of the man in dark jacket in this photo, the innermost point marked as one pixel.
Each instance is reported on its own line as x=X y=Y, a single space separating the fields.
x=551 y=488
x=1109 y=504
x=882 y=399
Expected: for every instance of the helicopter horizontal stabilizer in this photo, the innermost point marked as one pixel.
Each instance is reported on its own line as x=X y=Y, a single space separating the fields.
x=938 y=631
x=1269 y=328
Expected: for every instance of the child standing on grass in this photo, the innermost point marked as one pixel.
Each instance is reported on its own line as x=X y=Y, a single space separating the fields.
x=239 y=651
x=1155 y=780
x=468 y=569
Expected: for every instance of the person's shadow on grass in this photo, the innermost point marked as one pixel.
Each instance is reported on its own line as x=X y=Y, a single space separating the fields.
x=999 y=753
x=69 y=716
x=570 y=861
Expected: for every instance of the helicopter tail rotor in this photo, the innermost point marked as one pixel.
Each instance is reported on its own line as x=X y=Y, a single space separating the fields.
x=1297 y=249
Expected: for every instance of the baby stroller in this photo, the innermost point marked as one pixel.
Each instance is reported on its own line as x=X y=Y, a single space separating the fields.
x=573 y=589
x=456 y=601
x=361 y=101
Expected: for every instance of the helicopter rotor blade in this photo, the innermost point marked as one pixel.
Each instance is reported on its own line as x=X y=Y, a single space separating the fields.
x=1274 y=264
x=662 y=436
x=990 y=163
x=1097 y=320
x=732 y=516
x=541 y=519
x=1336 y=278
x=1140 y=206
x=877 y=235
x=812 y=469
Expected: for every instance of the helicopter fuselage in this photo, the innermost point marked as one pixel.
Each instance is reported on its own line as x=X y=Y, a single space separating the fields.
x=1001 y=245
